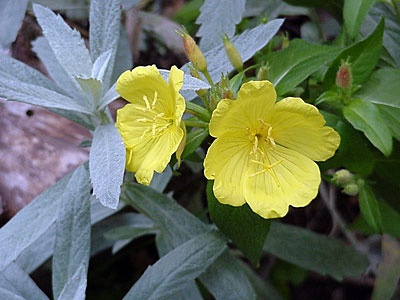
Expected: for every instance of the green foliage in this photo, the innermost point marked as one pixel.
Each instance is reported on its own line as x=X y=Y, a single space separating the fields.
x=354 y=12
x=235 y=223
x=369 y=207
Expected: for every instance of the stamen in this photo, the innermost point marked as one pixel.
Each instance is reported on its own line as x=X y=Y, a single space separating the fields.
x=153 y=128
x=143 y=109
x=264 y=123
x=146 y=101
x=163 y=127
x=143 y=120
x=154 y=100
x=144 y=133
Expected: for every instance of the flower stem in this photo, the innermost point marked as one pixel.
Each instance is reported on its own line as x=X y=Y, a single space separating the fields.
x=208 y=77
x=195 y=124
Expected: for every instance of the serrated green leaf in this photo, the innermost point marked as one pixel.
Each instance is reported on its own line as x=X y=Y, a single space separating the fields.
x=72 y=243
x=183 y=264
x=388 y=272
x=76 y=286
x=288 y=68
x=365 y=116
x=363 y=57
x=107 y=164
x=104 y=33
x=12 y=13
x=212 y=26
x=36 y=95
x=369 y=207
x=66 y=43
x=194 y=140
x=15 y=280
x=391 y=34
x=354 y=12
x=335 y=7
x=314 y=251
x=246 y=229
x=382 y=90
x=40 y=213
x=224 y=278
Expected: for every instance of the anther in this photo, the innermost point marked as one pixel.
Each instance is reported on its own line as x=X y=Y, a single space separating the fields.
x=154 y=100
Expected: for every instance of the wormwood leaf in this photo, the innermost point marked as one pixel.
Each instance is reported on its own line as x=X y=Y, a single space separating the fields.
x=107 y=164
x=183 y=264
x=246 y=229
x=365 y=116
x=76 y=286
x=213 y=25
x=314 y=251
x=189 y=83
x=72 y=243
x=4 y=294
x=12 y=13
x=66 y=43
x=354 y=12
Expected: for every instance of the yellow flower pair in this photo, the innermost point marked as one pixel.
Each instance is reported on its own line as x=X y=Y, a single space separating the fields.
x=264 y=151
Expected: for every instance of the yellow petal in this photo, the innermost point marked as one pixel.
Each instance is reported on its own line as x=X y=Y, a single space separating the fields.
x=300 y=126
x=295 y=182
x=182 y=145
x=175 y=83
x=255 y=100
x=226 y=162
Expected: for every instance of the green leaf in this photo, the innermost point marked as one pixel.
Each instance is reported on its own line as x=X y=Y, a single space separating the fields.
x=212 y=26
x=354 y=12
x=183 y=264
x=104 y=33
x=107 y=164
x=365 y=116
x=369 y=207
x=30 y=223
x=390 y=219
x=335 y=7
x=391 y=34
x=314 y=251
x=194 y=140
x=353 y=152
x=36 y=95
x=363 y=57
x=67 y=44
x=12 y=13
x=224 y=278
x=72 y=243
x=382 y=90
x=15 y=280
x=388 y=273
x=76 y=286
x=294 y=64
x=246 y=229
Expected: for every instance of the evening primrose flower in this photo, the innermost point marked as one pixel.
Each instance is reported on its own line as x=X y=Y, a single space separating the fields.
x=150 y=124
x=264 y=151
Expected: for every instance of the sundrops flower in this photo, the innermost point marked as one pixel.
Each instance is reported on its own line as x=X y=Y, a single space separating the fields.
x=150 y=124
x=264 y=151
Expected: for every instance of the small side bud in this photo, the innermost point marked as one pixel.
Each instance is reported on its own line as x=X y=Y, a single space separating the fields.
x=263 y=72
x=343 y=177
x=193 y=51
x=215 y=96
x=232 y=53
x=285 y=41
x=226 y=89
x=343 y=76
x=351 y=189
x=195 y=74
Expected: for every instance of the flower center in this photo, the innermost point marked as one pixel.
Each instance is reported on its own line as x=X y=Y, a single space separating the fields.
x=157 y=123
x=262 y=139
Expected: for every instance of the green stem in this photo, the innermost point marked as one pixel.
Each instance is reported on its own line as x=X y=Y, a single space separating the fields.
x=206 y=103
x=208 y=77
x=396 y=9
x=195 y=124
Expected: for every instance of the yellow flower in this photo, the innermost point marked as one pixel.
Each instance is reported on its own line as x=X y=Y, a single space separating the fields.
x=264 y=151
x=150 y=124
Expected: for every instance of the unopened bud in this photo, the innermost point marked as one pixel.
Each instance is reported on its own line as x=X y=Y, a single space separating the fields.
x=343 y=177
x=193 y=51
x=285 y=41
x=232 y=53
x=343 y=76
x=215 y=96
x=226 y=89
x=195 y=74
x=263 y=72
x=351 y=189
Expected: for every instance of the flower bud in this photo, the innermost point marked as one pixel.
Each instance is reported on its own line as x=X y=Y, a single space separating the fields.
x=193 y=51
x=226 y=89
x=232 y=53
x=285 y=41
x=263 y=72
x=343 y=177
x=343 y=76
x=351 y=189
